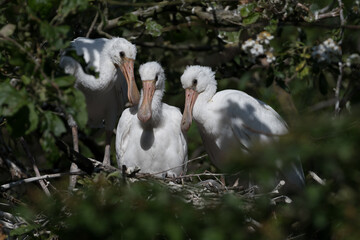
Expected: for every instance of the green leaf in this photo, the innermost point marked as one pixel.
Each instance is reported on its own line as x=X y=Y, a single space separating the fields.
x=116 y=174
x=271 y=28
x=23 y=229
x=79 y=106
x=11 y=99
x=47 y=143
x=54 y=123
x=304 y=72
x=65 y=81
x=42 y=8
x=7 y=30
x=252 y=18
x=25 y=79
x=300 y=66
x=33 y=118
x=70 y=6
x=230 y=37
x=128 y=18
x=246 y=10
x=54 y=34
x=153 y=28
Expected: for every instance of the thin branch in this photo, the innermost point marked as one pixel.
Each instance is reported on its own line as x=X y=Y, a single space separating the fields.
x=201 y=175
x=32 y=58
x=92 y=24
x=33 y=162
x=340 y=76
x=163 y=3
x=317 y=178
x=15 y=170
x=178 y=47
x=11 y=199
x=189 y=161
x=34 y=179
x=322 y=104
x=73 y=168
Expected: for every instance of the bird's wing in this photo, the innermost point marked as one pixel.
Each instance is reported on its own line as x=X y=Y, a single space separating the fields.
x=174 y=115
x=121 y=91
x=90 y=49
x=251 y=119
x=122 y=135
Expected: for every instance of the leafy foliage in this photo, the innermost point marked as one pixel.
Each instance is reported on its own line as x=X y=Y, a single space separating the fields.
x=309 y=49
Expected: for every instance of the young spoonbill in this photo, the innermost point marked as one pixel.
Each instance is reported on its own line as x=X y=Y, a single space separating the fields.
x=230 y=120
x=149 y=137
x=107 y=94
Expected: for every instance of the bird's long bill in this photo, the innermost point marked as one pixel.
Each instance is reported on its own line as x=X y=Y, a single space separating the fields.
x=144 y=113
x=127 y=68
x=190 y=98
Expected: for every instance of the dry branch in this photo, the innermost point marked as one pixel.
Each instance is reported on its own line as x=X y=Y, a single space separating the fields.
x=34 y=179
x=33 y=162
x=74 y=130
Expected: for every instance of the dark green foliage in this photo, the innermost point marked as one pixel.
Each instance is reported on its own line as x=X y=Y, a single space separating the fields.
x=36 y=98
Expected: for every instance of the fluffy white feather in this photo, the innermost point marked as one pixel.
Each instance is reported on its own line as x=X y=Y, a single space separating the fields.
x=229 y=120
x=158 y=145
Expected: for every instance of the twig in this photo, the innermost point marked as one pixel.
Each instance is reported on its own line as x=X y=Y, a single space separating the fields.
x=317 y=178
x=178 y=47
x=73 y=168
x=32 y=58
x=278 y=187
x=33 y=162
x=34 y=179
x=201 y=174
x=340 y=76
x=92 y=24
x=321 y=105
x=7 y=224
x=191 y=160
x=15 y=170
x=11 y=199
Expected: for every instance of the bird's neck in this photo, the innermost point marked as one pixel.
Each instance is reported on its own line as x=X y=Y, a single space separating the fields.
x=156 y=108
x=105 y=81
x=106 y=68
x=202 y=100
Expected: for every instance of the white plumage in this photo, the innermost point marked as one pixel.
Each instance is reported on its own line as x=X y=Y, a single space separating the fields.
x=106 y=95
x=230 y=120
x=150 y=137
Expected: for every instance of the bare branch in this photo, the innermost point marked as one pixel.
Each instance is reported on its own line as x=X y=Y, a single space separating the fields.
x=33 y=162
x=34 y=179
x=73 y=168
x=178 y=47
x=92 y=24
x=192 y=160
x=340 y=76
x=317 y=178
x=22 y=49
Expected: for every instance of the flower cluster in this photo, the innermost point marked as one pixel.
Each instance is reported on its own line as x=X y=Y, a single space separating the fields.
x=327 y=51
x=259 y=47
x=352 y=59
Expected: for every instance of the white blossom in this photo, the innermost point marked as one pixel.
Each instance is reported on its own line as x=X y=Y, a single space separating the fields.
x=327 y=51
x=257 y=50
x=270 y=57
x=259 y=47
x=247 y=44
x=264 y=37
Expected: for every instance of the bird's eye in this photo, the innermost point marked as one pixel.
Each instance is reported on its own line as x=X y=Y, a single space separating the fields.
x=194 y=82
x=122 y=54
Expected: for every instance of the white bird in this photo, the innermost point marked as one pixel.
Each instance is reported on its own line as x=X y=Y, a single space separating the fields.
x=230 y=120
x=150 y=137
x=106 y=95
